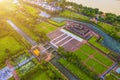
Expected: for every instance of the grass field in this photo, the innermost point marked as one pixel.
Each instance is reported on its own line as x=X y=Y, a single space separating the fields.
x=40 y=76
x=8 y=43
x=81 y=54
x=25 y=29
x=88 y=49
x=96 y=66
x=96 y=57
x=49 y=74
x=98 y=45
x=45 y=27
x=71 y=14
x=110 y=28
x=6 y=7
x=24 y=19
x=31 y=10
x=103 y=59
x=93 y=59
x=106 y=26
x=56 y=23
x=74 y=69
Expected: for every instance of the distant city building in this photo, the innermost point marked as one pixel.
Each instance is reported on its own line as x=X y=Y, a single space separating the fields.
x=16 y=2
x=44 y=14
x=94 y=20
x=44 y=5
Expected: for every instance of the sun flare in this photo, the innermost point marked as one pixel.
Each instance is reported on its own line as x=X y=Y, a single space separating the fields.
x=1 y=0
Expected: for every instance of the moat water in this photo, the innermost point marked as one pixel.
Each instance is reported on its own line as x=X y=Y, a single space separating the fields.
x=108 y=41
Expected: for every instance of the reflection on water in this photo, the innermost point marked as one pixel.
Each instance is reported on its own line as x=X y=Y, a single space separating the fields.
x=112 y=6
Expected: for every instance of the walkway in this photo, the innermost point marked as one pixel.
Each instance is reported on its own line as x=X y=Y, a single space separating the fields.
x=111 y=68
x=108 y=41
x=62 y=69
x=33 y=43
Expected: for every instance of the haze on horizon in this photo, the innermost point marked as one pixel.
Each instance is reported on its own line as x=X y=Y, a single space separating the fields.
x=112 y=6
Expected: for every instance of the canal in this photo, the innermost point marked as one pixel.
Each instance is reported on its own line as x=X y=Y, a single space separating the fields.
x=54 y=61
x=108 y=41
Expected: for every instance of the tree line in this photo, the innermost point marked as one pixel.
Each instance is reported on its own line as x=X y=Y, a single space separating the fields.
x=92 y=12
x=75 y=60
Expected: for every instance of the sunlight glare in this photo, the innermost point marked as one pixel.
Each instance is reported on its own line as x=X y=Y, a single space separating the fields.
x=1 y=0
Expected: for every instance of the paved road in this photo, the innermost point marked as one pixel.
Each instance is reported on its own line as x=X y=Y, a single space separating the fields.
x=22 y=33
x=54 y=61
x=111 y=68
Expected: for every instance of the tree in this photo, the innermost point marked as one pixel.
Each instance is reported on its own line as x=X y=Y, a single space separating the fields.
x=118 y=19
x=7 y=51
x=110 y=18
x=110 y=77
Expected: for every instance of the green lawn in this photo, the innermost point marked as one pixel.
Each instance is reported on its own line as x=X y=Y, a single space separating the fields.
x=74 y=69
x=71 y=14
x=6 y=7
x=110 y=28
x=93 y=59
x=91 y=63
x=45 y=27
x=56 y=23
x=82 y=55
x=23 y=18
x=50 y=73
x=94 y=54
x=103 y=59
x=98 y=45
x=106 y=26
x=31 y=10
x=89 y=50
x=8 y=43
x=40 y=76
x=24 y=28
